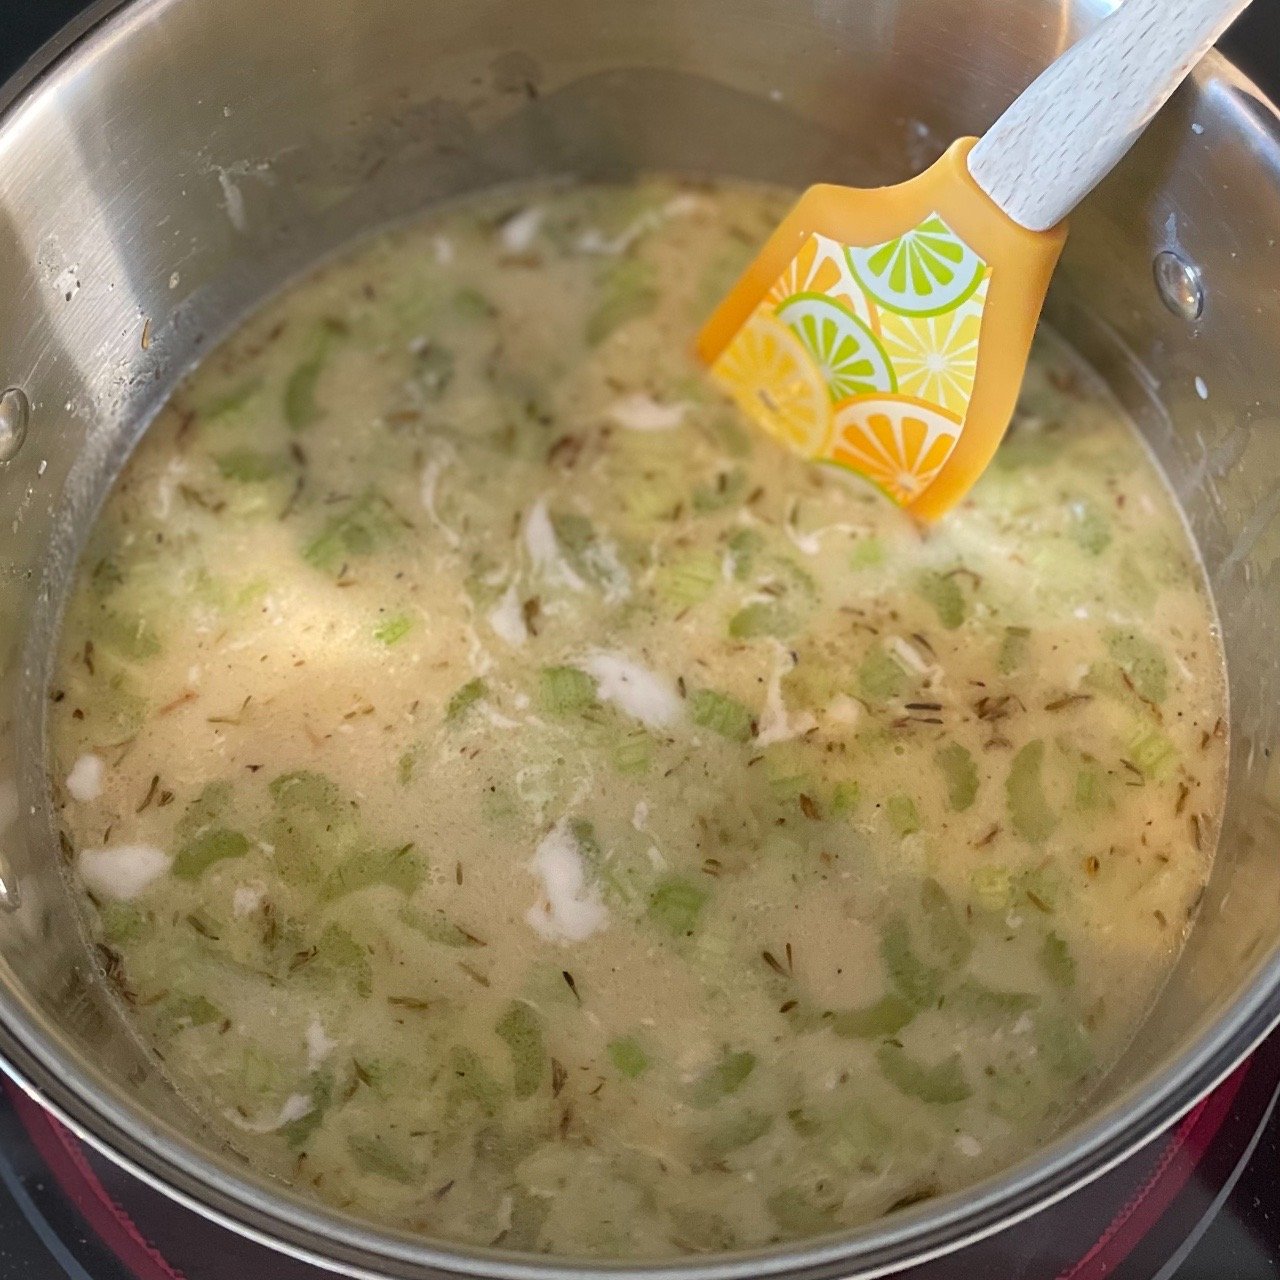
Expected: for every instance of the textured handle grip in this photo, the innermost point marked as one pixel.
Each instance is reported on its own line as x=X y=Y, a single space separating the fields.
x=1070 y=128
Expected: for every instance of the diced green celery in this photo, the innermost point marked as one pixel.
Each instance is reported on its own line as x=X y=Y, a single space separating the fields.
x=471 y=304
x=528 y=1216
x=464 y=699
x=400 y=868
x=199 y=853
x=1063 y=1044
x=1029 y=810
x=735 y=1132
x=1090 y=529
x=687 y=580
x=209 y=809
x=407 y=765
x=366 y=524
x=628 y=290
x=123 y=921
x=1093 y=787
x=394 y=628
x=472 y=1082
x=249 y=466
x=844 y=798
x=574 y=535
x=1057 y=962
x=918 y=982
x=437 y=927
x=1043 y=885
x=307 y=790
x=298 y=1132
x=521 y=1031
x=180 y=1010
x=943 y=592
x=372 y=1154
x=584 y=834
x=745 y=546
x=761 y=619
x=229 y=401
x=798 y=1214
x=942 y=1083
x=627 y=1056
x=677 y=903
x=633 y=752
x=1135 y=588
x=784 y=785
x=729 y=488
x=992 y=887
x=948 y=934
x=1013 y=649
x=721 y=714
x=903 y=816
x=960 y=773
x=433 y=369
x=300 y=407
x=340 y=956
x=868 y=553
x=1142 y=661
x=976 y=999
x=881 y=676
x=131 y=638
x=884 y=1017
x=723 y=1078
x=1153 y=753
x=566 y=690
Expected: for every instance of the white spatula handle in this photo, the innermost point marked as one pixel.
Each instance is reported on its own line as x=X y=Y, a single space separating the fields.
x=1070 y=128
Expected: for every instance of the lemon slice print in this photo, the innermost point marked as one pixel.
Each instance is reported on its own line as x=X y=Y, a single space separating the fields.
x=850 y=358
x=923 y=272
x=771 y=376
x=821 y=266
x=935 y=357
x=897 y=442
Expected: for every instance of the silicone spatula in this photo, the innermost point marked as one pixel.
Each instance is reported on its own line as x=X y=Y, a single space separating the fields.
x=886 y=331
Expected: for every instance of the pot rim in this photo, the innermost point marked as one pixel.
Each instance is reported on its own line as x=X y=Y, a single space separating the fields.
x=107 y=1119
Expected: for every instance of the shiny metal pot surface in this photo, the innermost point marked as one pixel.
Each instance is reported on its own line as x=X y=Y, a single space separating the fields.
x=167 y=165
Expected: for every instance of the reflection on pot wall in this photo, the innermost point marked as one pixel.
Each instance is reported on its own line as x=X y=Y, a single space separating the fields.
x=187 y=161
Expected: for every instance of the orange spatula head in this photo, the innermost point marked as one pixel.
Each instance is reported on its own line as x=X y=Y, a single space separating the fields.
x=887 y=331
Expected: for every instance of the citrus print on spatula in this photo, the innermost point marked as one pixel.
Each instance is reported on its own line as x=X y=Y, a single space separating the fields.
x=886 y=331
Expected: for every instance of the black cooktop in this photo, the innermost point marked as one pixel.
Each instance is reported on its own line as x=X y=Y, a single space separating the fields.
x=1200 y=1203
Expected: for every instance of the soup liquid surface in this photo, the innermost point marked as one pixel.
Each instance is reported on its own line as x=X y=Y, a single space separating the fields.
x=524 y=805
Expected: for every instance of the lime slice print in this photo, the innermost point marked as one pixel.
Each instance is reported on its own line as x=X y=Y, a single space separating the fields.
x=923 y=272
x=847 y=353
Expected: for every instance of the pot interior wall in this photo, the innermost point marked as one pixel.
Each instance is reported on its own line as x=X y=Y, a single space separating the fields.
x=189 y=158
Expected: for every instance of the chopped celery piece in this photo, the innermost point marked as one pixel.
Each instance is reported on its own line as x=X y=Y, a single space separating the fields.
x=1090 y=529
x=844 y=798
x=918 y=982
x=721 y=714
x=297 y=1132
x=179 y=1011
x=528 y=1214
x=433 y=369
x=340 y=956
x=1057 y=962
x=628 y=1057
x=1152 y=752
x=885 y=1017
x=723 y=1078
x=797 y=1214
x=199 y=853
x=976 y=999
x=231 y=400
x=729 y=488
x=367 y=524
x=464 y=699
x=903 y=815
x=133 y=639
x=761 y=619
x=1093 y=788
x=407 y=765
x=307 y=790
x=943 y=1083
x=1062 y=1044
x=399 y=868
x=961 y=775
x=745 y=546
x=521 y=1031
x=471 y=304
x=373 y=1155
x=249 y=465
x=472 y=1082
x=1013 y=649
x=123 y=921
x=300 y=407
x=945 y=926
x=868 y=553
x=394 y=628
x=677 y=903
x=1029 y=810
x=628 y=290
x=881 y=676
x=688 y=580
x=992 y=887
x=1142 y=661
x=565 y=690
x=437 y=927
x=735 y=1133
x=943 y=592
x=633 y=752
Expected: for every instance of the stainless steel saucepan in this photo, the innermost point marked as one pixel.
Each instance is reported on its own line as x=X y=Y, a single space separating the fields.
x=168 y=164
